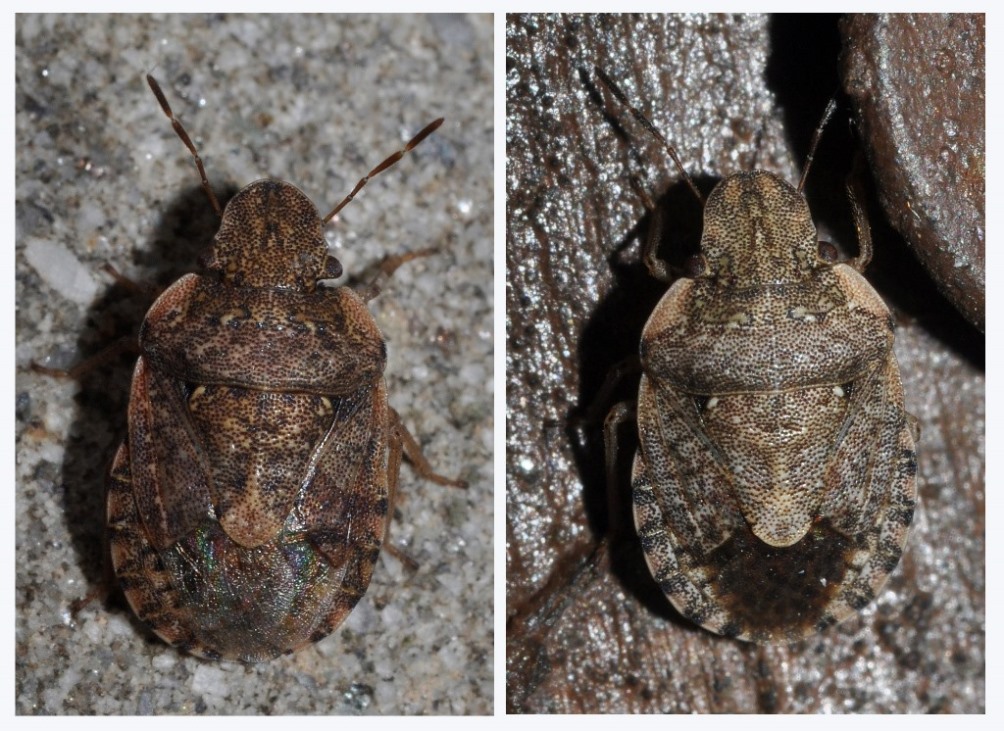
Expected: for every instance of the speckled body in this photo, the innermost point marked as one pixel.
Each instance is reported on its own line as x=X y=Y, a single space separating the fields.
x=775 y=481
x=247 y=507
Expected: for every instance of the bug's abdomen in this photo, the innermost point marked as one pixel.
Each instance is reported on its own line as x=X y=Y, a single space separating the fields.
x=769 y=516
x=252 y=526
x=209 y=596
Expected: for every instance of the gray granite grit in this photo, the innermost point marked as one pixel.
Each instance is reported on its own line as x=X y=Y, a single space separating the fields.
x=102 y=179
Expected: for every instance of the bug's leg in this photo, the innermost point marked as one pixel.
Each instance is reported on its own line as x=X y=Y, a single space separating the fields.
x=393 y=473
x=413 y=452
x=599 y=407
x=88 y=365
x=856 y=196
x=623 y=412
x=386 y=268
x=913 y=424
x=125 y=344
x=656 y=266
x=146 y=290
x=659 y=269
x=401 y=442
x=584 y=424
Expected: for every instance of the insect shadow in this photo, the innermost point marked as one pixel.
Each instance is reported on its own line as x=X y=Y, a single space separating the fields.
x=183 y=233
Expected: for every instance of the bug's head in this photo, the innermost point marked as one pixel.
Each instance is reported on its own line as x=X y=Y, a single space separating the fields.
x=758 y=230
x=271 y=236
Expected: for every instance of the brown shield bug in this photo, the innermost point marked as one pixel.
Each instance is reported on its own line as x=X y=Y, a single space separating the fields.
x=775 y=481
x=248 y=505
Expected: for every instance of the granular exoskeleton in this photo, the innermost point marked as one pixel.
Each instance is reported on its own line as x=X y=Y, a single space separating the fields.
x=248 y=505
x=775 y=480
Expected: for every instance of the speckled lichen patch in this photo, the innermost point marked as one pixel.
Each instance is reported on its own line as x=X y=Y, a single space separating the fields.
x=775 y=482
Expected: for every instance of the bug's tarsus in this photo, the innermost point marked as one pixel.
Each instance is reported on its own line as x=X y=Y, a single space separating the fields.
x=412 y=144
x=827 y=113
x=180 y=130
x=644 y=122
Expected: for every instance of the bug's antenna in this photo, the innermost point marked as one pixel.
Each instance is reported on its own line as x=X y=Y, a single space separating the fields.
x=644 y=121
x=827 y=113
x=412 y=144
x=155 y=87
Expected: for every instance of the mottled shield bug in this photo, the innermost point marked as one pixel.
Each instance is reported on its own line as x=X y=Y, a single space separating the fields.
x=775 y=480
x=248 y=505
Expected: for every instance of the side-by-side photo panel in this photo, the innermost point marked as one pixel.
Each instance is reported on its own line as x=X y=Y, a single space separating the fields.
x=254 y=345
x=745 y=364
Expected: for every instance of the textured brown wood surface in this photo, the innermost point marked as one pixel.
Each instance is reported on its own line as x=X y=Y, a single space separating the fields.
x=587 y=628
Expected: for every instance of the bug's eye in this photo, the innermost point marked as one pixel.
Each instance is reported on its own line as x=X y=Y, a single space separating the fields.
x=694 y=266
x=332 y=268
x=827 y=251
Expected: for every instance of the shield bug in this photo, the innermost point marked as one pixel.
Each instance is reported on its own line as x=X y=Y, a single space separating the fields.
x=775 y=480
x=248 y=505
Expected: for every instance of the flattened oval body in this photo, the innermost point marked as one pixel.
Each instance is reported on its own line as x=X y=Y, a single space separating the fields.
x=247 y=508
x=775 y=481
